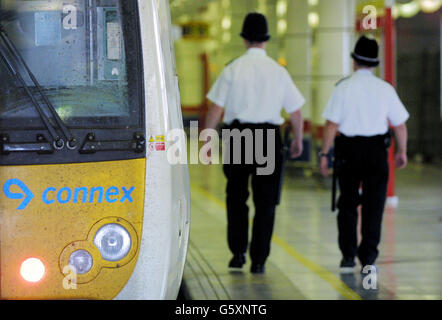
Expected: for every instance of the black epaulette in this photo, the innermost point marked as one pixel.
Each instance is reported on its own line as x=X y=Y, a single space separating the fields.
x=342 y=80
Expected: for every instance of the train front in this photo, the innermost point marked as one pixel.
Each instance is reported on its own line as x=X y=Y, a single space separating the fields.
x=90 y=208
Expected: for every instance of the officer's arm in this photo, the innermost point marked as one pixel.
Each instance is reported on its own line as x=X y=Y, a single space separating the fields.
x=297 y=122
x=214 y=116
x=330 y=131
x=401 y=135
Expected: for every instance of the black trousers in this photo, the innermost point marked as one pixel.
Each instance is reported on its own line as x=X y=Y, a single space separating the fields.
x=363 y=162
x=265 y=194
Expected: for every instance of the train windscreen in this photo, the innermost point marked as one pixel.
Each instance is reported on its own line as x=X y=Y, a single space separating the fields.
x=81 y=55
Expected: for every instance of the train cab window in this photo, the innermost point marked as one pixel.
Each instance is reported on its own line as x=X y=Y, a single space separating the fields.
x=84 y=54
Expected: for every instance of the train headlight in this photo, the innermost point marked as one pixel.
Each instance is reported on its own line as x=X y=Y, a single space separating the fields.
x=113 y=241
x=32 y=270
x=81 y=260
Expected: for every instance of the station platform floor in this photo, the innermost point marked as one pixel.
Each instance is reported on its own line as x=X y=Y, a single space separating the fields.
x=304 y=258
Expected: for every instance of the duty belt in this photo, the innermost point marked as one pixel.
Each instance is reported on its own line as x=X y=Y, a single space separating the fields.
x=341 y=140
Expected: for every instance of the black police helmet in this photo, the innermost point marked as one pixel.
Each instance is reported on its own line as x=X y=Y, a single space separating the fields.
x=255 y=28
x=366 y=52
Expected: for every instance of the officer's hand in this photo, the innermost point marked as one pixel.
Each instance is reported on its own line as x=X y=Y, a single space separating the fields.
x=296 y=149
x=324 y=166
x=401 y=160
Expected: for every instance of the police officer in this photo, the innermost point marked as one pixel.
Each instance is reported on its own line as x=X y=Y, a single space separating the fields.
x=360 y=110
x=251 y=92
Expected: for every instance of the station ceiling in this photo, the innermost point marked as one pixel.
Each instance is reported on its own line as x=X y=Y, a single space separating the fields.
x=195 y=9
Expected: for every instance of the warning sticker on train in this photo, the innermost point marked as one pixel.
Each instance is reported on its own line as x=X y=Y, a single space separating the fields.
x=157 y=143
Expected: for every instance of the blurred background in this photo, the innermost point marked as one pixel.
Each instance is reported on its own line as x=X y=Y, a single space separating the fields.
x=313 y=40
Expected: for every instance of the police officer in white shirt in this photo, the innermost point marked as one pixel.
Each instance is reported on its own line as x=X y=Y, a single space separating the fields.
x=360 y=110
x=251 y=92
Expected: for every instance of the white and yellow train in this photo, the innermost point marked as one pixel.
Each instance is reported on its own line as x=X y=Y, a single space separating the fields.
x=90 y=208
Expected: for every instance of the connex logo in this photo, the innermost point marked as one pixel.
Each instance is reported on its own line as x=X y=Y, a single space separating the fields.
x=26 y=194
x=64 y=195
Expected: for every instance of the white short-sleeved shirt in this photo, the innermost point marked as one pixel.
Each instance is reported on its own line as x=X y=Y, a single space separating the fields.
x=363 y=104
x=254 y=89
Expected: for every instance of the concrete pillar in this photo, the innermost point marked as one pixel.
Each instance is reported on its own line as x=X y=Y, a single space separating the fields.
x=334 y=41
x=298 y=43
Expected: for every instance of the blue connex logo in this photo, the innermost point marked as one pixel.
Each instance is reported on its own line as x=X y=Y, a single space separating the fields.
x=26 y=195
x=67 y=195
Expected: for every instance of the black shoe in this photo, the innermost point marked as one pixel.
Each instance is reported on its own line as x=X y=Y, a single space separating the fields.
x=257 y=268
x=347 y=266
x=237 y=261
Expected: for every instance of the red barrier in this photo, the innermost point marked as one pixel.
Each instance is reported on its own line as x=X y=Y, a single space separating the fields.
x=389 y=44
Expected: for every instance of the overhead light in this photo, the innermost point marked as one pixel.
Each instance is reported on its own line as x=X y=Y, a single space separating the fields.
x=313 y=2
x=282 y=26
x=226 y=23
x=429 y=6
x=281 y=8
x=395 y=12
x=408 y=10
x=313 y=19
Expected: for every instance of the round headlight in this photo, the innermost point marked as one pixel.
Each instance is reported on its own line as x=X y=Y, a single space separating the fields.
x=32 y=270
x=113 y=241
x=81 y=260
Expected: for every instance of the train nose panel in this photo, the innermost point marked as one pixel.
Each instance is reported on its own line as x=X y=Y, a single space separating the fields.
x=49 y=220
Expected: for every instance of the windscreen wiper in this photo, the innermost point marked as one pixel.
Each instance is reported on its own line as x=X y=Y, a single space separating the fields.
x=59 y=143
